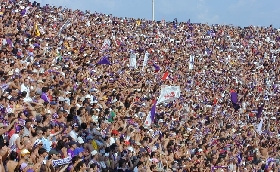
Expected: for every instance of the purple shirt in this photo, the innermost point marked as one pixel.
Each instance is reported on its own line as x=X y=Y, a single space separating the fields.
x=45 y=97
x=70 y=152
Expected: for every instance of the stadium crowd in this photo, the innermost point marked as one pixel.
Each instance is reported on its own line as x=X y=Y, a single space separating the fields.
x=71 y=98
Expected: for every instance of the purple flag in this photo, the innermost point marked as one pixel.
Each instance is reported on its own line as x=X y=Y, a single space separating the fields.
x=233 y=97
x=104 y=60
x=189 y=21
x=45 y=97
x=157 y=68
x=153 y=112
x=9 y=41
x=23 y=12
x=239 y=158
x=260 y=109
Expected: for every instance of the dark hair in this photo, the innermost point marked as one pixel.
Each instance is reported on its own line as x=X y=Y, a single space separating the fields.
x=84 y=126
x=79 y=166
x=23 y=94
x=74 y=159
x=13 y=155
x=45 y=89
x=28 y=120
x=92 y=165
x=41 y=151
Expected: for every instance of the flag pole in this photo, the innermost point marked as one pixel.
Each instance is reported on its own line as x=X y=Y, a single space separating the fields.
x=153 y=10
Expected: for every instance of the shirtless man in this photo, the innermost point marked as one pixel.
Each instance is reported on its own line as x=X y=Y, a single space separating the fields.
x=12 y=164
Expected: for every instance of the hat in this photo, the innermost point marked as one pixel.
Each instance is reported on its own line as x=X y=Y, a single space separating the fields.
x=115 y=132
x=53 y=103
x=10 y=73
x=24 y=152
x=94 y=152
x=71 y=143
x=23 y=165
x=40 y=81
x=80 y=140
x=155 y=160
x=75 y=125
x=106 y=154
x=51 y=152
x=130 y=149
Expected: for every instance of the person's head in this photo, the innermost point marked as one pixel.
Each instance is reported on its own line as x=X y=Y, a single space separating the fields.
x=45 y=89
x=47 y=131
x=25 y=154
x=43 y=152
x=75 y=127
x=11 y=116
x=80 y=167
x=20 y=129
x=21 y=115
x=28 y=123
x=39 y=133
x=72 y=145
x=93 y=168
x=28 y=144
x=153 y=167
x=54 y=155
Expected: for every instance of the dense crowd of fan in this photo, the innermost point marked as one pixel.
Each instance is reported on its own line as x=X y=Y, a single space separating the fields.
x=72 y=99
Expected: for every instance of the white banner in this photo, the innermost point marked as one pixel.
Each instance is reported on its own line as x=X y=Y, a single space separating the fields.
x=169 y=93
x=259 y=127
x=191 y=62
x=146 y=57
x=132 y=60
x=64 y=26
x=106 y=45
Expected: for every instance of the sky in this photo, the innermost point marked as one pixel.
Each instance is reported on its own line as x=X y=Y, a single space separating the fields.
x=236 y=12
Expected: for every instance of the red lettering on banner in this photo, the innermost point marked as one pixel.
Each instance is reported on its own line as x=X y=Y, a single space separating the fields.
x=170 y=95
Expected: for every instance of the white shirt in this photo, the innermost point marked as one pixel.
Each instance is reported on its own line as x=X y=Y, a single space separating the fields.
x=13 y=139
x=112 y=140
x=25 y=88
x=27 y=99
x=135 y=169
x=74 y=135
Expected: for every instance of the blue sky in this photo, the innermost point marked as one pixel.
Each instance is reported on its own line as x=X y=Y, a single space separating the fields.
x=236 y=12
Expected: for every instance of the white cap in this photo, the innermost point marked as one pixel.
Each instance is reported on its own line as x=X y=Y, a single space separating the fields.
x=94 y=152
x=130 y=149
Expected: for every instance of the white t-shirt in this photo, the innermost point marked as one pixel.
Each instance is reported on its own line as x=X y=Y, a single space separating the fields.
x=74 y=135
x=135 y=169
x=27 y=99
x=13 y=139
x=25 y=88
x=112 y=140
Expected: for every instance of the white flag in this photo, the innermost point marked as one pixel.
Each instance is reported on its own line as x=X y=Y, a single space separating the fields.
x=146 y=57
x=259 y=127
x=148 y=120
x=132 y=60
x=191 y=62
x=169 y=93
